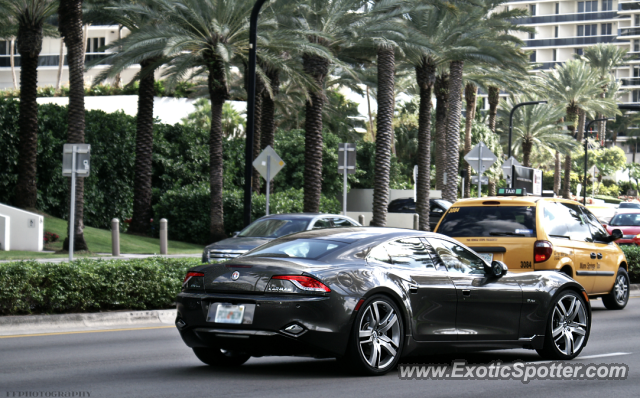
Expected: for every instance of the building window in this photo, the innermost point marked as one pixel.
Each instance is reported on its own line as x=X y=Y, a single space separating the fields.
x=532 y=9
x=636 y=46
x=636 y=20
x=579 y=51
x=532 y=35
x=5 y=47
x=588 y=30
x=605 y=29
x=557 y=8
x=555 y=55
x=94 y=44
x=556 y=32
x=636 y=71
x=607 y=5
x=636 y=96
x=532 y=56
x=587 y=6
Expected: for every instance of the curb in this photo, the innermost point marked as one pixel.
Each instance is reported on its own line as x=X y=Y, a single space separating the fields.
x=30 y=324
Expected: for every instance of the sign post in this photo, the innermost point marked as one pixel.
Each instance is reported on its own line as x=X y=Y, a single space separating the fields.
x=268 y=164
x=480 y=158
x=75 y=163
x=506 y=170
x=346 y=164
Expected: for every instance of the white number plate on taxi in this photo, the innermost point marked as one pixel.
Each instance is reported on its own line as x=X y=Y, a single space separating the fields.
x=488 y=257
x=226 y=313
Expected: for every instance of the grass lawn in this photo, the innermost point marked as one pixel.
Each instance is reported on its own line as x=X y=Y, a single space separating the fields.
x=99 y=241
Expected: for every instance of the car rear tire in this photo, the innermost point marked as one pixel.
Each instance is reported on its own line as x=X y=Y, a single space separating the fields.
x=567 y=329
x=219 y=357
x=377 y=338
x=618 y=297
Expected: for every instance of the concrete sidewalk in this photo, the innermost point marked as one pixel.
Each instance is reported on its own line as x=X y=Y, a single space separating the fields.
x=107 y=256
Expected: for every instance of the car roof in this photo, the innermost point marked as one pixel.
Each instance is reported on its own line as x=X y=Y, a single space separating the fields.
x=629 y=211
x=300 y=216
x=510 y=200
x=363 y=234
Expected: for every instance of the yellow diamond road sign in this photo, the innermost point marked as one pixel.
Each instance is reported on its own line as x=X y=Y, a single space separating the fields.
x=269 y=158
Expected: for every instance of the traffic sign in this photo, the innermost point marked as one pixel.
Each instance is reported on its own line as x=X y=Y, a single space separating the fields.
x=268 y=163
x=82 y=164
x=351 y=157
x=474 y=180
x=480 y=158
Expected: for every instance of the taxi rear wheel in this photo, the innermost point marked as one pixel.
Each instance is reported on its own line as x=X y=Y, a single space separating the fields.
x=619 y=296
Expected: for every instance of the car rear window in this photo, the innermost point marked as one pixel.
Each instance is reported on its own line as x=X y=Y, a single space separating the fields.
x=274 y=228
x=297 y=248
x=516 y=221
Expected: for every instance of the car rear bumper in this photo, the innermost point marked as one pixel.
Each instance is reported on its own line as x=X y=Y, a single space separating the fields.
x=325 y=324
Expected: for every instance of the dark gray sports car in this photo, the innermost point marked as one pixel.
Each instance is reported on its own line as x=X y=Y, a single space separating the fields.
x=370 y=296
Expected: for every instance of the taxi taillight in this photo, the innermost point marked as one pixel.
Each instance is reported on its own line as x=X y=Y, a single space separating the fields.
x=542 y=250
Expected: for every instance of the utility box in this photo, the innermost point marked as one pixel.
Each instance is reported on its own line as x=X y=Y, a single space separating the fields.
x=26 y=229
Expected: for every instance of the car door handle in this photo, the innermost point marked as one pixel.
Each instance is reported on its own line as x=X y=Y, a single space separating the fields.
x=599 y=256
x=466 y=293
x=593 y=255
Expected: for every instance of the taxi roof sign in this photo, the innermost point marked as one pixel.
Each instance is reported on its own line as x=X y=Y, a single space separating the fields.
x=512 y=192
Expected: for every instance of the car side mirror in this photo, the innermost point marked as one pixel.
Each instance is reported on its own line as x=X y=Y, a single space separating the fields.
x=615 y=235
x=437 y=211
x=498 y=269
x=236 y=233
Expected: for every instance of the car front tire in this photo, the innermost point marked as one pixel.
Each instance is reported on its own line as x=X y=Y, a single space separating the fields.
x=618 y=297
x=218 y=357
x=567 y=329
x=377 y=339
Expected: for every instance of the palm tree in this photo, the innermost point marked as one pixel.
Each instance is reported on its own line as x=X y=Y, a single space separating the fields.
x=604 y=58
x=70 y=27
x=441 y=92
x=30 y=16
x=134 y=17
x=536 y=128
x=574 y=87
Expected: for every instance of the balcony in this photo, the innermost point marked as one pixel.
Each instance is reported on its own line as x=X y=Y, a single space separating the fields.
x=633 y=6
x=570 y=41
x=556 y=18
x=630 y=81
x=629 y=32
x=49 y=60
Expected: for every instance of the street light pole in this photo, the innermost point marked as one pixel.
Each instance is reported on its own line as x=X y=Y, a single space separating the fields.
x=251 y=108
x=586 y=155
x=511 y=118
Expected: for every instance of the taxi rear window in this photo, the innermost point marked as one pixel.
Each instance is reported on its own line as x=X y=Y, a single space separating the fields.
x=511 y=221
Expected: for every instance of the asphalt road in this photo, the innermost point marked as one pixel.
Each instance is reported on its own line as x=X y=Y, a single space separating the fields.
x=156 y=363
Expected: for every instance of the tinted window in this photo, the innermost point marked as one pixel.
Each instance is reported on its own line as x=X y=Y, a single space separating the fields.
x=409 y=252
x=489 y=221
x=554 y=220
x=625 y=220
x=445 y=204
x=273 y=228
x=379 y=253
x=629 y=206
x=342 y=222
x=457 y=258
x=297 y=248
x=597 y=230
x=322 y=223
x=577 y=223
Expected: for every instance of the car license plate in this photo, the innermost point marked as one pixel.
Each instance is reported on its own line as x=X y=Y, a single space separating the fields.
x=226 y=313
x=488 y=257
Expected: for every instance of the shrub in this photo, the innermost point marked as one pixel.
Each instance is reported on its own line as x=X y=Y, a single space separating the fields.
x=90 y=285
x=188 y=210
x=633 y=260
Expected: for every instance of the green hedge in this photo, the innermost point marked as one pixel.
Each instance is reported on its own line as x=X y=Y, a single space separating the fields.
x=90 y=285
x=188 y=210
x=633 y=259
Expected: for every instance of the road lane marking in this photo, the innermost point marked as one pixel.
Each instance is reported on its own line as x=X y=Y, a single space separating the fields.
x=84 y=331
x=612 y=354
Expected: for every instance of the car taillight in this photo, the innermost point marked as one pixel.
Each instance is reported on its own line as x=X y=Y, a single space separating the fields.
x=193 y=280
x=295 y=284
x=542 y=250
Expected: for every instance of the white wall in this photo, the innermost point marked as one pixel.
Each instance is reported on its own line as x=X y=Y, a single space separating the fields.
x=5 y=237
x=361 y=200
x=27 y=229
x=394 y=220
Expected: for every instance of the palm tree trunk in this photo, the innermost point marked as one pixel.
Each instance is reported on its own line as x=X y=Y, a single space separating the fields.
x=425 y=74
x=492 y=187
x=218 y=93
x=70 y=14
x=572 y=121
x=60 y=64
x=267 y=121
x=527 y=146
x=118 y=79
x=317 y=67
x=141 y=220
x=370 y=117
x=384 y=134
x=581 y=120
x=494 y=100
x=30 y=39
x=556 y=174
x=257 y=132
x=12 y=61
x=470 y=95
x=441 y=88
x=450 y=191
